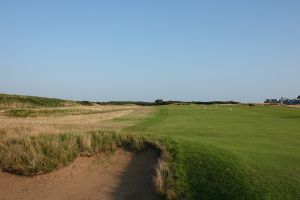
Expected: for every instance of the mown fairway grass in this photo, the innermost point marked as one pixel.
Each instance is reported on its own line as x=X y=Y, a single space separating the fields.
x=249 y=152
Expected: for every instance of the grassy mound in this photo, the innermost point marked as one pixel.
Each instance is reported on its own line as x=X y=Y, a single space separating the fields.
x=213 y=173
x=20 y=101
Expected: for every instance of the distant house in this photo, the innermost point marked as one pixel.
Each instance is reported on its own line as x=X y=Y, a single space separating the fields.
x=159 y=101
x=272 y=101
x=285 y=101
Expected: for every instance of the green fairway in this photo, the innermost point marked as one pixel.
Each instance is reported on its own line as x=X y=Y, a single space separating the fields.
x=231 y=152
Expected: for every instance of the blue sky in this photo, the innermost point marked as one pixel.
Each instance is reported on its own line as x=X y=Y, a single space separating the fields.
x=141 y=50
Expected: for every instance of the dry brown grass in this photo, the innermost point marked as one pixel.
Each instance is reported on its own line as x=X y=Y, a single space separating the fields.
x=53 y=124
x=163 y=179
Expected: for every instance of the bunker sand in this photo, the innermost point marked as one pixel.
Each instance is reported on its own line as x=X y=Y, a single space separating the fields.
x=121 y=176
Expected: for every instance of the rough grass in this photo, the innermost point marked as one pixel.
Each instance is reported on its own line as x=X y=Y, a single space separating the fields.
x=32 y=155
x=19 y=101
x=105 y=119
x=27 y=112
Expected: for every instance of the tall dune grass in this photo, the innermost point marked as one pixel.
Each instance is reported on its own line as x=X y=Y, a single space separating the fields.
x=31 y=155
x=20 y=101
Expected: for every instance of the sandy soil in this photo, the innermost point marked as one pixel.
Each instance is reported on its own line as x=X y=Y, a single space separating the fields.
x=122 y=176
x=294 y=106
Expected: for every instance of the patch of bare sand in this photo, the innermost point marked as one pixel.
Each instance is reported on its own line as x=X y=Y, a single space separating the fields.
x=122 y=176
x=293 y=106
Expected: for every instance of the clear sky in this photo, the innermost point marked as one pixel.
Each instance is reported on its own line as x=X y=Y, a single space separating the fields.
x=142 y=50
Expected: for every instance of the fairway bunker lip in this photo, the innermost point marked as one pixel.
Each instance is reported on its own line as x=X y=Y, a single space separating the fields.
x=122 y=175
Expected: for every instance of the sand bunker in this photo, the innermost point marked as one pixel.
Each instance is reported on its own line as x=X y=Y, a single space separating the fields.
x=122 y=176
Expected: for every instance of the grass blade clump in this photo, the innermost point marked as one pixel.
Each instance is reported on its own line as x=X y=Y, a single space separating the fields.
x=30 y=155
